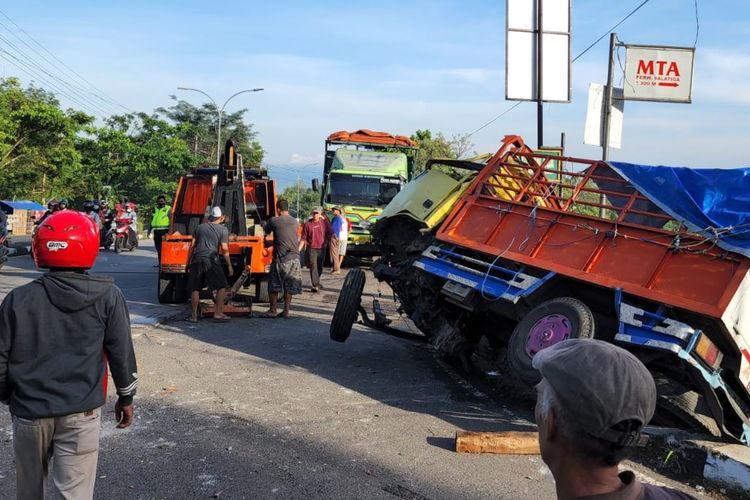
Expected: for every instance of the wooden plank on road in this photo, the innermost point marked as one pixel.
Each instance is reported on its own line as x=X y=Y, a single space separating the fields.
x=505 y=443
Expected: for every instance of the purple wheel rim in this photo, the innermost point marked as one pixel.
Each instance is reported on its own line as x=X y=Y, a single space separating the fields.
x=549 y=330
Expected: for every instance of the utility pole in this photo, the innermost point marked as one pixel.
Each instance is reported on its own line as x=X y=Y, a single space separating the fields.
x=608 y=95
x=219 y=113
x=539 y=77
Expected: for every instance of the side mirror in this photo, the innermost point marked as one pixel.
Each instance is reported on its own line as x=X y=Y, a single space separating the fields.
x=316 y=185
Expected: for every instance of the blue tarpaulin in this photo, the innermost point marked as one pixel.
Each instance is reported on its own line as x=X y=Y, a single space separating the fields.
x=8 y=206
x=713 y=202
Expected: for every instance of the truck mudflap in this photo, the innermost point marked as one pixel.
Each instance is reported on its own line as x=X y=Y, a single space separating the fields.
x=491 y=281
x=642 y=328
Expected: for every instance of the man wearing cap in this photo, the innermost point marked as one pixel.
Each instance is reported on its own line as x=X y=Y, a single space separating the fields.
x=592 y=403
x=316 y=233
x=205 y=265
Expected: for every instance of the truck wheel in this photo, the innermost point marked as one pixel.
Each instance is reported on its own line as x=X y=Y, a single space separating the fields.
x=678 y=406
x=262 y=294
x=547 y=324
x=166 y=287
x=348 y=305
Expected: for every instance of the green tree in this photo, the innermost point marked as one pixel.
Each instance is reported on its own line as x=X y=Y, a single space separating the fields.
x=38 y=155
x=197 y=127
x=304 y=198
x=47 y=152
x=462 y=146
x=137 y=155
x=430 y=147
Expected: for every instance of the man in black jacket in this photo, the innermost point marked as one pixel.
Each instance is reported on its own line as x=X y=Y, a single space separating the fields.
x=57 y=336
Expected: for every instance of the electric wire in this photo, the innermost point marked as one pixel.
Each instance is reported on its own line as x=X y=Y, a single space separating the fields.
x=32 y=65
x=21 y=65
x=518 y=103
x=105 y=98
x=610 y=30
x=697 y=24
x=70 y=87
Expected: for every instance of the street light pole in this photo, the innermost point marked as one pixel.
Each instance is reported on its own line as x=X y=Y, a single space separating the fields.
x=219 y=112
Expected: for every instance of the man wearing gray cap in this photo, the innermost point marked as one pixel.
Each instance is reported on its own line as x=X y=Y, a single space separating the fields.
x=592 y=403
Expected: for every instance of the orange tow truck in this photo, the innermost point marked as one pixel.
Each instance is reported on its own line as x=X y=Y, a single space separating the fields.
x=248 y=199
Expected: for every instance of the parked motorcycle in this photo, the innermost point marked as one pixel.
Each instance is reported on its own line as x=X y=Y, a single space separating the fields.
x=122 y=236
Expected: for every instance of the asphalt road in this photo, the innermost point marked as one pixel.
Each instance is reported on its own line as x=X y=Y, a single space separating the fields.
x=271 y=408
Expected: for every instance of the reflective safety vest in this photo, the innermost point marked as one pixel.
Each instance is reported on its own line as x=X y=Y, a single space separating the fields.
x=160 y=219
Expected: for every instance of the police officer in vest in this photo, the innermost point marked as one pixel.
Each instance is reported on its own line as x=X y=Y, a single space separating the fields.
x=160 y=222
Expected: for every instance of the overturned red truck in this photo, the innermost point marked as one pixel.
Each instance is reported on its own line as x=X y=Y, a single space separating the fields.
x=529 y=250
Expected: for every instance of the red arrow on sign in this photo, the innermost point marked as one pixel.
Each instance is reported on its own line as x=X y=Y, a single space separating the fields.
x=666 y=84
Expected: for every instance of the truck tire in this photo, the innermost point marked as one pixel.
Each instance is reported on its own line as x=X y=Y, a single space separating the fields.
x=678 y=406
x=547 y=324
x=347 y=306
x=166 y=287
x=262 y=294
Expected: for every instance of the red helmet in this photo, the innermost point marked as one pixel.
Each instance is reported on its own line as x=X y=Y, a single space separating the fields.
x=66 y=240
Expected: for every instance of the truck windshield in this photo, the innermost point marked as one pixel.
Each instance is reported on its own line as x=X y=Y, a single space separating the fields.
x=365 y=190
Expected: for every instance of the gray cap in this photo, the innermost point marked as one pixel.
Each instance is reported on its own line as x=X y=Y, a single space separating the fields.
x=317 y=210
x=599 y=385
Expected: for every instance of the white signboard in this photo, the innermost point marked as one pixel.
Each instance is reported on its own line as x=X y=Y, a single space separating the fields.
x=658 y=73
x=595 y=117
x=521 y=50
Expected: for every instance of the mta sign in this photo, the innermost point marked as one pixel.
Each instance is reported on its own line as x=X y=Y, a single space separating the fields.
x=658 y=73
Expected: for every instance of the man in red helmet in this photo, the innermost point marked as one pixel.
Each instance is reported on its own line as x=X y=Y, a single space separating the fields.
x=57 y=336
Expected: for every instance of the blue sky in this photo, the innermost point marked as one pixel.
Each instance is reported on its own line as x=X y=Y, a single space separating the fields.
x=394 y=66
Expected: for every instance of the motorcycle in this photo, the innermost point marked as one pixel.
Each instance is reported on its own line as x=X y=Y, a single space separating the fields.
x=122 y=236
x=107 y=237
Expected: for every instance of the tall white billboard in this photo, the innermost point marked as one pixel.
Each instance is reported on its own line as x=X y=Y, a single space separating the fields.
x=522 y=50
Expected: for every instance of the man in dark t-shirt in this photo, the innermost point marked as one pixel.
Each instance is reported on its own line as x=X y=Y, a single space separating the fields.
x=285 y=267
x=205 y=264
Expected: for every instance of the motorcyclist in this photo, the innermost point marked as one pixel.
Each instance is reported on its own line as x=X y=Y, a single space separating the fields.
x=131 y=217
x=90 y=210
x=63 y=205
x=105 y=214
x=51 y=208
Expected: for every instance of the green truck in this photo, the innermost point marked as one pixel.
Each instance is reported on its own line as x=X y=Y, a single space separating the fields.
x=362 y=172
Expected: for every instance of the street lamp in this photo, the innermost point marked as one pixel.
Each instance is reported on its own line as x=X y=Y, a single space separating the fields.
x=219 y=112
